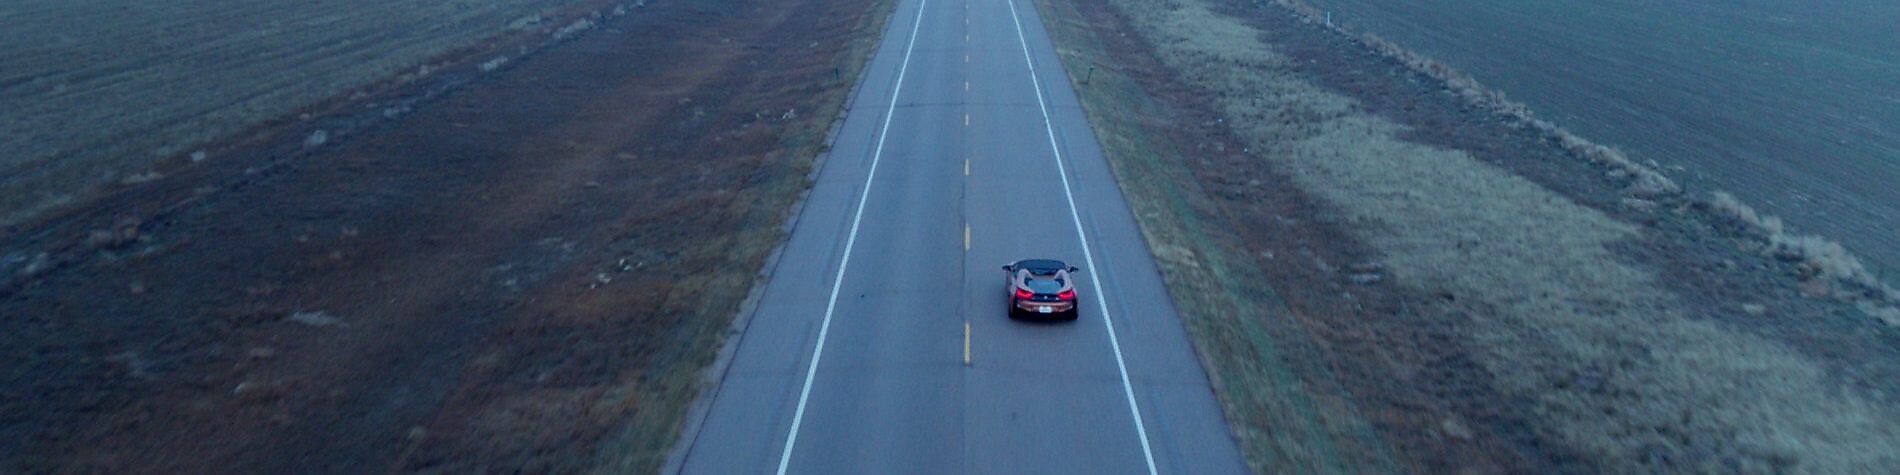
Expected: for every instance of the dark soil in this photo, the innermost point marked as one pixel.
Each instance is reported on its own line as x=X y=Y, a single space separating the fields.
x=499 y=280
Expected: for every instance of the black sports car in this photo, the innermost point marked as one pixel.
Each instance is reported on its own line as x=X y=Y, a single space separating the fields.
x=1041 y=287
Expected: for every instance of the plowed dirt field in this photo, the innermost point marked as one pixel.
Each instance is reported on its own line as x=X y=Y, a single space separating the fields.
x=524 y=271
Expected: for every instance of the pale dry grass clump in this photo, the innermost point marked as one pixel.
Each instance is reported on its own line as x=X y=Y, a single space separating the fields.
x=1818 y=255
x=1607 y=364
x=1817 y=258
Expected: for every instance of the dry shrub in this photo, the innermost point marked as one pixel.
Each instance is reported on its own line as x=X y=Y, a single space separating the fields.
x=1888 y=314
x=1816 y=257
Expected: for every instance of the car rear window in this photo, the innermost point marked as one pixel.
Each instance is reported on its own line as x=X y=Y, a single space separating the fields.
x=1042 y=266
x=1043 y=286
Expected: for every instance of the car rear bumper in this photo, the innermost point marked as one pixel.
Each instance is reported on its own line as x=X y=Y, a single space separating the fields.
x=1031 y=307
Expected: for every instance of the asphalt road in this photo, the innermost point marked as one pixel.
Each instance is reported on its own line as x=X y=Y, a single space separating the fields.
x=881 y=343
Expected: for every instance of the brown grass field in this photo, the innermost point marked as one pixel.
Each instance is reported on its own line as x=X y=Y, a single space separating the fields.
x=1383 y=275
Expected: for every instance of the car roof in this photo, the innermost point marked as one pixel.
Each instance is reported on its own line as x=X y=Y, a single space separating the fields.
x=1041 y=266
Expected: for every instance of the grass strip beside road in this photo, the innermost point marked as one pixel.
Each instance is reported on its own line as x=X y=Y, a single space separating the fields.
x=643 y=445
x=1368 y=302
x=1225 y=302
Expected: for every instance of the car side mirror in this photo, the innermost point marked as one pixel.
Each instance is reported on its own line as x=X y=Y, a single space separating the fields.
x=1007 y=267
x=1074 y=269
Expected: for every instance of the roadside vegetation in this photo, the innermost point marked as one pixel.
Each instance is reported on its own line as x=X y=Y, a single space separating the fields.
x=1284 y=418
x=671 y=384
x=1385 y=265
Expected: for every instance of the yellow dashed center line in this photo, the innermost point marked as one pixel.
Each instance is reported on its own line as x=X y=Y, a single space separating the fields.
x=966 y=172
x=966 y=342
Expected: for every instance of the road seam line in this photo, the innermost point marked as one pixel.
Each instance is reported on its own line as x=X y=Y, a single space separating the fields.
x=824 y=328
x=1101 y=299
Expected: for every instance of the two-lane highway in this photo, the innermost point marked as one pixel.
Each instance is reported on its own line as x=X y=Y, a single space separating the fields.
x=881 y=343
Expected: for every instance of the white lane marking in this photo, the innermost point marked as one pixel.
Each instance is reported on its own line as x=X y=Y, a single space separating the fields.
x=824 y=328
x=1128 y=388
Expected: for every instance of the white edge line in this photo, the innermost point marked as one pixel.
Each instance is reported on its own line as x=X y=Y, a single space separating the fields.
x=824 y=328
x=1128 y=388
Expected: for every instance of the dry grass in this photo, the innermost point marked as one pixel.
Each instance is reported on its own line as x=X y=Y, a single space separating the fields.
x=1819 y=257
x=99 y=90
x=1226 y=303
x=1607 y=365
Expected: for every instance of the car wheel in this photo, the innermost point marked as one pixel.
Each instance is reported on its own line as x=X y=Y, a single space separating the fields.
x=1074 y=313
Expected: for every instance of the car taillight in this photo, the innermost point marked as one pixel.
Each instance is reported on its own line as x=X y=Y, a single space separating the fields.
x=1024 y=293
x=1067 y=295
